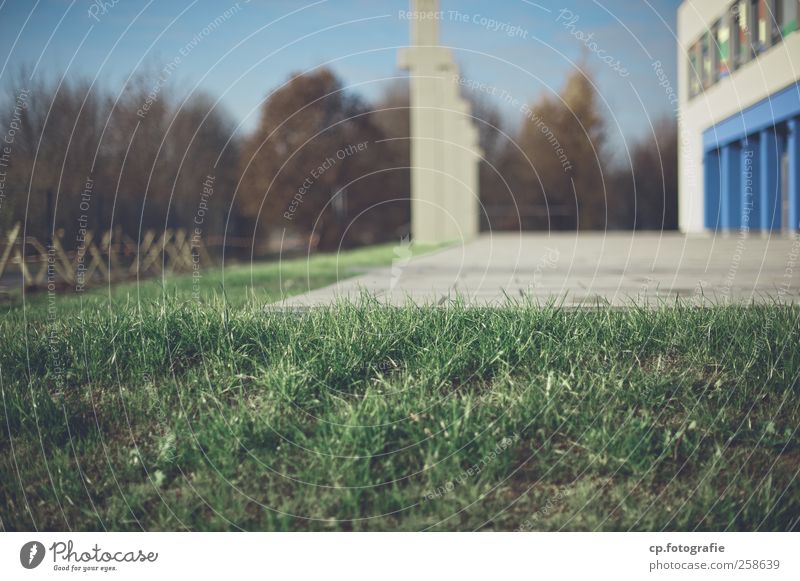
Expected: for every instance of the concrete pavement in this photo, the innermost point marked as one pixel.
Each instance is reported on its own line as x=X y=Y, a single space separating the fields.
x=585 y=269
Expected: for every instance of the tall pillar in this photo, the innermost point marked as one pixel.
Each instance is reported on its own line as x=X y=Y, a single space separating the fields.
x=793 y=147
x=471 y=193
x=461 y=193
x=443 y=158
x=711 y=175
x=450 y=225
x=730 y=186
x=769 y=180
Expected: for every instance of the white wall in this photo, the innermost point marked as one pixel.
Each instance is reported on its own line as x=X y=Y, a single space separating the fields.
x=771 y=71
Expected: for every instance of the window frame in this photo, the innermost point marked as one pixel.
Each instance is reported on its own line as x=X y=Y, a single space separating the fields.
x=756 y=39
x=722 y=64
x=782 y=16
x=740 y=33
x=707 y=59
x=744 y=39
x=695 y=70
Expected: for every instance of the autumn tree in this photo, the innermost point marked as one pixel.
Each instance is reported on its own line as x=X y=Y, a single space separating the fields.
x=575 y=137
x=392 y=156
x=553 y=171
x=584 y=137
x=202 y=152
x=85 y=156
x=314 y=165
x=56 y=129
x=647 y=184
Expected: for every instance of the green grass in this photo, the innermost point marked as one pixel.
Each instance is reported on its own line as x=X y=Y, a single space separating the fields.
x=176 y=414
x=238 y=284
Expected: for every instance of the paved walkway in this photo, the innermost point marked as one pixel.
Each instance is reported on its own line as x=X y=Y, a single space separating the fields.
x=585 y=269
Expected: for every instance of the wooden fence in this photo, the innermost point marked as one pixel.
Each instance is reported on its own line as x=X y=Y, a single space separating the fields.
x=110 y=257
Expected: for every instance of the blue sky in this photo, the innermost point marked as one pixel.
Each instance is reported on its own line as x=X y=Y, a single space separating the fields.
x=255 y=45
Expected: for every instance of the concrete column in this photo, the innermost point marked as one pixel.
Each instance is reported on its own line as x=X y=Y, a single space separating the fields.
x=440 y=167
x=711 y=175
x=793 y=146
x=730 y=187
x=425 y=31
x=471 y=202
x=769 y=180
x=462 y=171
x=453 y=162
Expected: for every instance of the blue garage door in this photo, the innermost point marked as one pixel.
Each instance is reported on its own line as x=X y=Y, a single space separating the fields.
x=751 y=164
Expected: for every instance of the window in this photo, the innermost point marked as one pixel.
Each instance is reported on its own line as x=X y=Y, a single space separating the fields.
x=694 y=69
x=763 y=25
x=707 y=57
x=787 y=16
x=774 y=8
x=723 y=48
x=748 y=28
x=740 y=19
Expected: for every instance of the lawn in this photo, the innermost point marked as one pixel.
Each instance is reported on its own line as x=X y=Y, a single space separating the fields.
x=238 y=284
x=166 y=412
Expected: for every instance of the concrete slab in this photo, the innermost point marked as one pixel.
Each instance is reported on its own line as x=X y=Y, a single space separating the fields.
x=585 y=269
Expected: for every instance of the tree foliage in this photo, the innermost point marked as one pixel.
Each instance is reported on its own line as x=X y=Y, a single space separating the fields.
x=314 y=165
x=322 y=165
x=85 y=157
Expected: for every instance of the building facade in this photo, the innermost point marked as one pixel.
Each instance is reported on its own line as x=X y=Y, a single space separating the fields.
x=739 y=115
